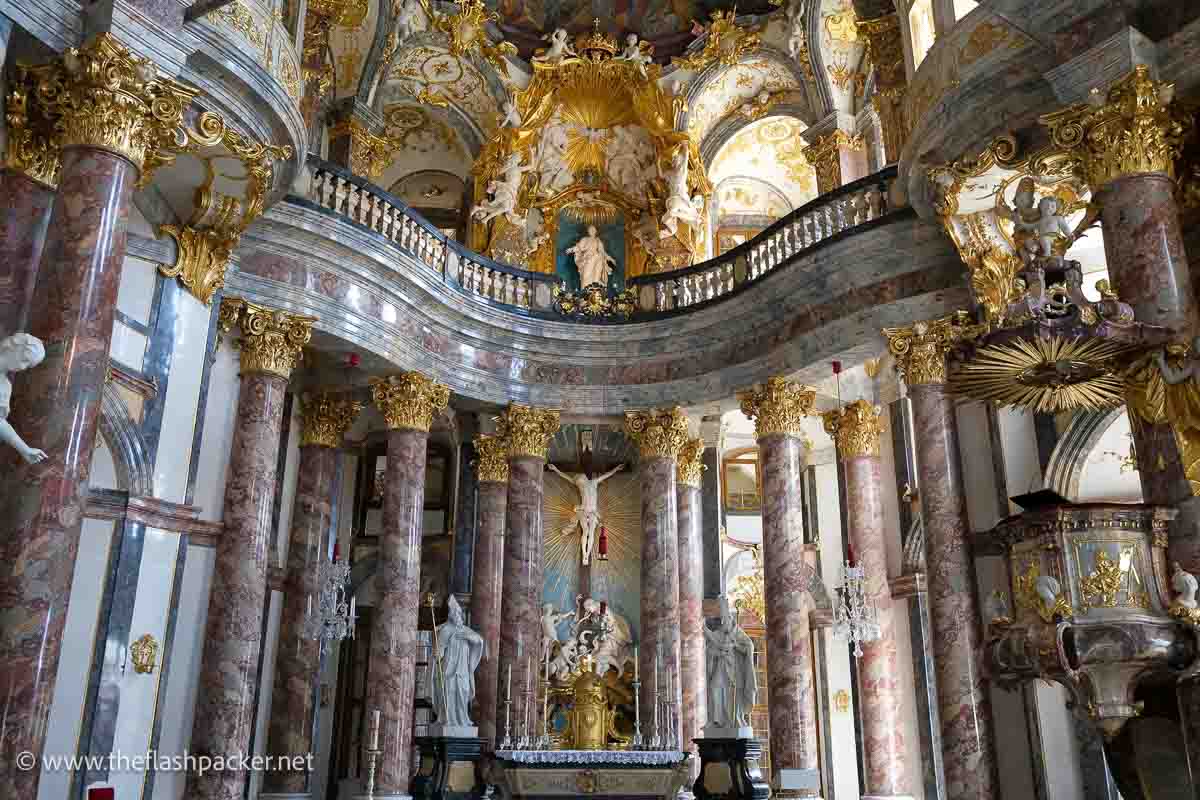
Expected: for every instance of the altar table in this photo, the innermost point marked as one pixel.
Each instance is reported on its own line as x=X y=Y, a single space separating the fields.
x=615 y=774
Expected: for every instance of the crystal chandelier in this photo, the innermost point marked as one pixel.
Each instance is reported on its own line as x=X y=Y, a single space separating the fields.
x=855 y=619
x=332 y=617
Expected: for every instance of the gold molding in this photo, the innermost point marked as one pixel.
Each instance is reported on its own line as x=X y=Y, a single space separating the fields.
x=491 y=458
x=327 y=417
x=778 y=407
x=201 y=260
x=409 y=400
x=658 y=433
x=32 y=147
x=1132 y=129
x=726 y=43
x=144 y=654
x=528 y=430
x=691 y=463
x=272 y=341
x=920 y=349
x=369 y=154
x=103 y=96
x=825 y=156
x=855 y=428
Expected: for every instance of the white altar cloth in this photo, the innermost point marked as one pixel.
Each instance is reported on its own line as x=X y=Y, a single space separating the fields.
x=621 y=758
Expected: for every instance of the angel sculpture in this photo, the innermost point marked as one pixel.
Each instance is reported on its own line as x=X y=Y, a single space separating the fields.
x=412 y=17
x=559 y=49
x=797 y=38
x=18 y=352
x=504 y=191
x=680 y=207
x=1184 y=583
x=634 y=54
x=512 y=117
x=1041 y=233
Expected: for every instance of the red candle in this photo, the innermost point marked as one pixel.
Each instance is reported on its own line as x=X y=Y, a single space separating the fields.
x=335 y=551
x=603 y=544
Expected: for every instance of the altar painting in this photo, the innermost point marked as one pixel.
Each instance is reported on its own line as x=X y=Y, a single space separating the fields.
x=571 y=230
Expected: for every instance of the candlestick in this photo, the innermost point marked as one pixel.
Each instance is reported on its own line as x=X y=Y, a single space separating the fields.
x=635 y=662
x=544 y=736
x=374 y=729
x=508 y=691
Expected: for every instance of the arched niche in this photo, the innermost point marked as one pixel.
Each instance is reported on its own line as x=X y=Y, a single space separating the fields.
x=1094 y=460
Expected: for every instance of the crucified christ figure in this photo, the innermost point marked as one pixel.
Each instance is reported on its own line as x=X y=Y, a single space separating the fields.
x=587 y=513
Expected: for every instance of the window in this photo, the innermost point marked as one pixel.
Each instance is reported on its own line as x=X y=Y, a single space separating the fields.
x=742 y=481
x=921 y=29
x=964 y=7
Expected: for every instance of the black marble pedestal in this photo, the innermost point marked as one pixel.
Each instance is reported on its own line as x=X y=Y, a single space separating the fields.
x=447 y=770
x=729 y=770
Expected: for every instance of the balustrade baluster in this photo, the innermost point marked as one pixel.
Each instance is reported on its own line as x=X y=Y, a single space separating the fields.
x=660 y=297
x=522 y=299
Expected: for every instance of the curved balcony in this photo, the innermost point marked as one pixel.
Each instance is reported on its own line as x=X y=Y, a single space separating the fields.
x=376 y=274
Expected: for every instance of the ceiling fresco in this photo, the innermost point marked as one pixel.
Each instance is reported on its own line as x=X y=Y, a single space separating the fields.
x=349 y=46
x=739 y=86
x=772 y=151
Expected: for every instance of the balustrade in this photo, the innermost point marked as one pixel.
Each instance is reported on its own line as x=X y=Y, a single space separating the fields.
x=858 y=203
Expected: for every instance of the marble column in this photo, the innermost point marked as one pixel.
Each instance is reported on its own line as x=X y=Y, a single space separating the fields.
x=297 y=657
x=487 y=588
x=228 y=686
x=855 y=428
x=659 y=436
x=56 y=405
x=528 y=432
x=409 y=402
x=778 y=407
x=691 y=592
x=968 y=739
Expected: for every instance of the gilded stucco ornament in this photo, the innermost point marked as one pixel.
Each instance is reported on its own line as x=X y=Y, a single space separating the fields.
x=825 y=156
x=725 y=43
x=855 y=428
x=144 y=654
x=409 y=400
x=32 y=146
x=1164 y=389
x=327 y=417
x=467 y=34
x=272 y=341
x=779 y=406
x=369 y=154
x=885 y=51
x=691 y=463
x=528 y=429
x=1132 y=129
x=1041 y=594
x=658 y=433
x=594 y=302
x=491 y=458
x=920 y=349
x=101 y=95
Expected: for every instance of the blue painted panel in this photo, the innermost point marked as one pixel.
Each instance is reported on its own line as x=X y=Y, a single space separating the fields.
x=571 y=231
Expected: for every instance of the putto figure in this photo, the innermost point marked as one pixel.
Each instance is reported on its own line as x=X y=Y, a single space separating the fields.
x=587 y=513
x=18 y=352
x=732 y=684
x=559 y=49
x=459 y=651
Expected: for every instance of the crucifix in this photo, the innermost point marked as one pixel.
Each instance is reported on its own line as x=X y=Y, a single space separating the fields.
x=587 y=513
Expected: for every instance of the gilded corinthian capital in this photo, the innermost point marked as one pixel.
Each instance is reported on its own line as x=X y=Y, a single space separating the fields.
x=920 y=349
x=272 y=341
x=658 y=433
x=101 y=95
x=491 y=458
x=327 y=417
x=1133 y=129
x=691 y=463
x=778 y=406
x=409 y=400
x=528 y=430
x=855 y=428
x=33 y=145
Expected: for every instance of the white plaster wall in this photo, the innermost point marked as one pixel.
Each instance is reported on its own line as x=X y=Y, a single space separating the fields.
x=219 y=412
x=135 y=295
x=267 y=684
x=182 y=400
x=179 y=700
x=128 y=346
x=140 y=694
x=104 y=470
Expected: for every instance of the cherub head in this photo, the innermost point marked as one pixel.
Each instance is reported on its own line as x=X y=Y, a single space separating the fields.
x=631 y=40
x=20 y=351
x=1024 y=195
x=1048 y=206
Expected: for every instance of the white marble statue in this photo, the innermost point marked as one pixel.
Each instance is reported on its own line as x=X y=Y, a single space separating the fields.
x=565 y=661
x=559 y=48
x=1184 y=583
x=587 y=513
x=411 y=17
x=634 y=54
x=504 y=191
x=550 y=620
x=18 y=352
x=1041 y=233
x=459 y=651
x=512 y=117
x=551 y=153
x=732 y=684
x=797 y=37
x=613 y=647
x=679 y=207
x=1047 y=588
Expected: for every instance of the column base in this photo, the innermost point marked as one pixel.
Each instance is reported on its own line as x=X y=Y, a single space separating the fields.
x=447 y=768
x=729 y=770
x=285 y=796
x=378 y=796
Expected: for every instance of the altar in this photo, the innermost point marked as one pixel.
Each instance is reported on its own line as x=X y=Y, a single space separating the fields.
x=532 y=774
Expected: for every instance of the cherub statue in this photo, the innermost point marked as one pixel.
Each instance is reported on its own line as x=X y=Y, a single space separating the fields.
x=559 y=49
x=550 y=620
x=1041 y=233
x=512 y=117
x=634 y=53
x=1184 y=583
x=797 y=38
x=411 y=16
x=679 y=206
x=18 y=352
x=504 y=191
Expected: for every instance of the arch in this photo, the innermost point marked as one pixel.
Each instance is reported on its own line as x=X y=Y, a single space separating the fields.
x=124 y=441
x=1070 y=455
x=733 y=124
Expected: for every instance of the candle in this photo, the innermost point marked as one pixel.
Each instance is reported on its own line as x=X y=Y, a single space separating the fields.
x=375 y=729
x=353 y=606
x=635 y=662
x=508 y=692
x=520 y=645
x=308 y=613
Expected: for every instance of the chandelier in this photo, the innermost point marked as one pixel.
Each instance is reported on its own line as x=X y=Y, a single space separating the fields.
x=855 y=619
x=332 y=618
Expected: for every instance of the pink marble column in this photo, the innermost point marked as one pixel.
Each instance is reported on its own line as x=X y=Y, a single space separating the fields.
x=487 y=588
x=24 y=219
x=659 y=436
x=691 y=592
x=228 y=684
x=968 y=739
x=856 y=429
x=297 y=657
x=409 y=402
x=528 y=432
x=778 y=408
